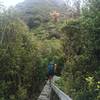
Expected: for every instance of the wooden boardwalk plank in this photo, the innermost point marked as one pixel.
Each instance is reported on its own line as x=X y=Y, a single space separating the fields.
x=45 y=94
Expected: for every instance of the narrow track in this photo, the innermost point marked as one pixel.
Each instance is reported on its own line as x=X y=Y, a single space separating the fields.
x=45 y=94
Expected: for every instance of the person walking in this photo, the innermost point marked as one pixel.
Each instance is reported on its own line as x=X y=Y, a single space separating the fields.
x=50 y=71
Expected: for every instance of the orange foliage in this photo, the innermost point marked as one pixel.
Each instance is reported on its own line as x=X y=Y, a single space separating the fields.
x=55 y=15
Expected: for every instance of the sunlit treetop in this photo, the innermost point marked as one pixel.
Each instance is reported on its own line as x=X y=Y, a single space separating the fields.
x=55 y=15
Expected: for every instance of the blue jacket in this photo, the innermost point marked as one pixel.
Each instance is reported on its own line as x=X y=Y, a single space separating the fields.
x=50 y=69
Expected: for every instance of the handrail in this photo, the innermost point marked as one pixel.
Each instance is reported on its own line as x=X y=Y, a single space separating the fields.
x=60 y=94
x=47 y=93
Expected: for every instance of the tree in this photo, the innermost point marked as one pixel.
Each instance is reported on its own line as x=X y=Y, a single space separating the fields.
x=81 y=49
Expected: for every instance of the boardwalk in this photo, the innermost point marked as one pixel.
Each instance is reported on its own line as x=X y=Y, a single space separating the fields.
x=53 y=92
x=45 y=94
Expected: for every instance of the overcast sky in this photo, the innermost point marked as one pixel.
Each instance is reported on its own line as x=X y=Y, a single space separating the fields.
x=8 y=3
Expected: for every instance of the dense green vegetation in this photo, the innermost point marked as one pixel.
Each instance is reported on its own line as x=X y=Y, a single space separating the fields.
x=24 y=57
x=30 y=39
x=80 y=78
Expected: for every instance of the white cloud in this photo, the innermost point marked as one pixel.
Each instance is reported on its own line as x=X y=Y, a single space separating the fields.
x=10 y=2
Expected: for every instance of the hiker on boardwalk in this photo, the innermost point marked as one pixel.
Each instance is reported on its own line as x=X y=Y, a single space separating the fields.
x=50 y=71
